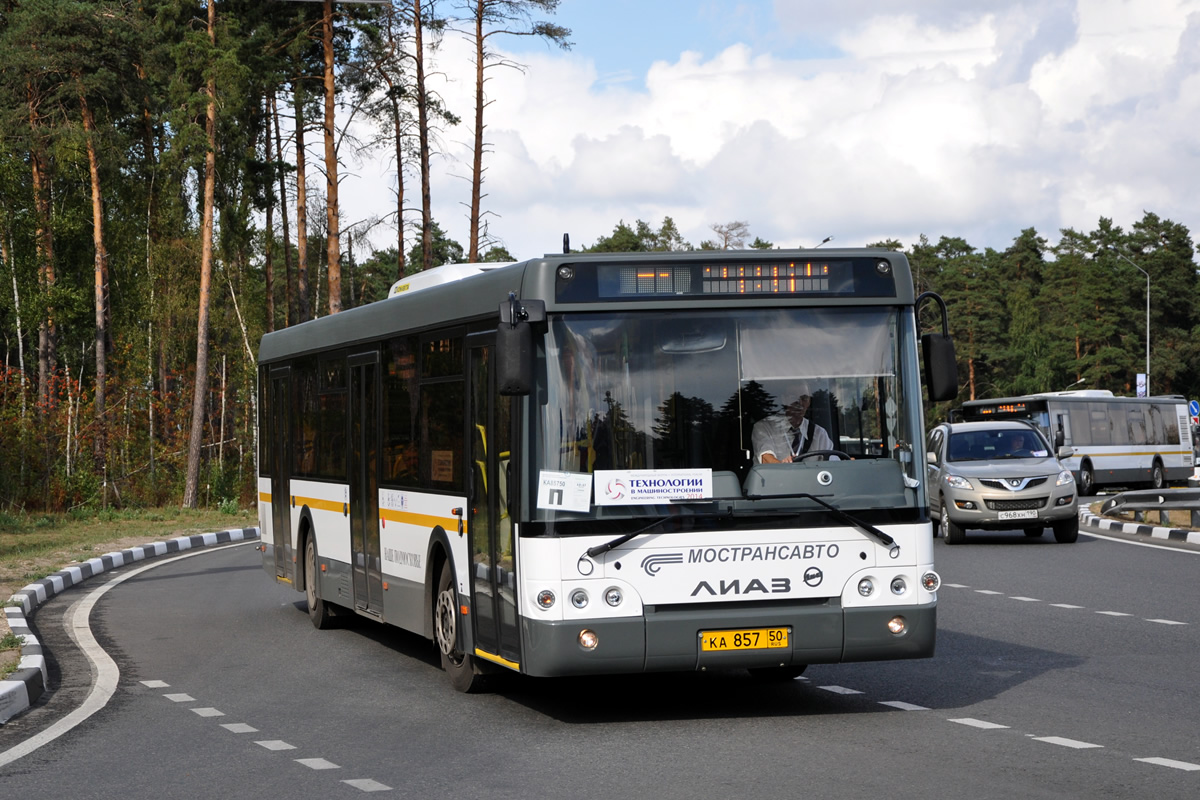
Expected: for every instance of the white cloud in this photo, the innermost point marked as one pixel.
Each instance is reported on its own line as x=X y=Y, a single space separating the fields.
x=931 y=119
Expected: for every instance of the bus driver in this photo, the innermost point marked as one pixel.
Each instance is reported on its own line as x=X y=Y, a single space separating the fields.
x=783 y=438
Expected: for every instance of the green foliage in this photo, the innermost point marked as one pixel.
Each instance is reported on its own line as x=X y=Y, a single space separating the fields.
x=640 y=239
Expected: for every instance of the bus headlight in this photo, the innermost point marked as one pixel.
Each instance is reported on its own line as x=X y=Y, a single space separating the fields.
x=899 y=585
x=588 y=639
x=613 y=597
x=865 y=587
x=897 y=625
x=579 y=598
x=545 y=599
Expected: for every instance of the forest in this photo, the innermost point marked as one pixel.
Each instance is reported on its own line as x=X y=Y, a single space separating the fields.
x=168 y=193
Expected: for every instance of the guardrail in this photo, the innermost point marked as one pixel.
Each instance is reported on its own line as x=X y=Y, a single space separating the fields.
x=1147 y=501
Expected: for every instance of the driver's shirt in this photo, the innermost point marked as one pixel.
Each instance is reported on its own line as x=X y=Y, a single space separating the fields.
x=774 y=435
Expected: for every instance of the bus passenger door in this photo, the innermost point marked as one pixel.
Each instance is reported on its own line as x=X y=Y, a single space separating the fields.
x=364 y=482
x=279 y=452
x=493 y=578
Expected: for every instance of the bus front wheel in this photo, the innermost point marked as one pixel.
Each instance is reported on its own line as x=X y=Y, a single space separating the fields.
x=464 y=670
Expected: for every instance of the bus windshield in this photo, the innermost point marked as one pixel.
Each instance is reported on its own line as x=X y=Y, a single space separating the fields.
x=634 y=391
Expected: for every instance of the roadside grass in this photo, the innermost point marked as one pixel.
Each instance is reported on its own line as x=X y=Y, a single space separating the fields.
x=33 y=546
x=37 y=545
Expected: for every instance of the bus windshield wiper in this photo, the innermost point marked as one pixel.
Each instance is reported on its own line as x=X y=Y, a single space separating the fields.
x=620 y=540
x=841 y=516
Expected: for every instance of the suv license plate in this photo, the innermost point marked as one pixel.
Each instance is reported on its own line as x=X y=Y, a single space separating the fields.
x=744 y=639
x=1030 y=514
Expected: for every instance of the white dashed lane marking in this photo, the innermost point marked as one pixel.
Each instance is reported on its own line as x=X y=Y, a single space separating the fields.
x=1072 y=743
x=1070 y=606
x=903 y=706
x=362 y=784
x=208 y=712
x=978 y=723
x=276 y=744
x=368 y=785
x=840 y=690
x=1167 y=762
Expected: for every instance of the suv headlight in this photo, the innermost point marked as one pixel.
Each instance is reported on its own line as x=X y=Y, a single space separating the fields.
x=1065 y=477
x=955 y=482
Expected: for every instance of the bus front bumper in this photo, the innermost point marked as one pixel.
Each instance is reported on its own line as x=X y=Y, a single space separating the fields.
x=669 y=640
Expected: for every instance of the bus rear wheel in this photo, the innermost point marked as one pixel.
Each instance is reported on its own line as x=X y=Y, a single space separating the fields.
x=464 y=670
x=319 y=611
x=1087 y=481
x=1158 y=479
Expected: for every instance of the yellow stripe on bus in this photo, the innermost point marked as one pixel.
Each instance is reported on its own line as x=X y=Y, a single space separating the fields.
x=321 y=505
x=264 y=497
x=422 y=520
x=497 y=659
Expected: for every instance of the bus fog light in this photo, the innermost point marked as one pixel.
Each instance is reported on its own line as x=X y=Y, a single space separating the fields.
x=588 y=639
x=579 y=598
x=545 y=598
x=897 y=625
x=930 y=581
x=899 y=585
x=865 y=587
x=613 y=596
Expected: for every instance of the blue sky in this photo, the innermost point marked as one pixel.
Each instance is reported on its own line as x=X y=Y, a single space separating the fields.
x=858 y=119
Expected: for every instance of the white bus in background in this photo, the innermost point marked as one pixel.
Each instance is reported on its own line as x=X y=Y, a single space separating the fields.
x=1118 y=441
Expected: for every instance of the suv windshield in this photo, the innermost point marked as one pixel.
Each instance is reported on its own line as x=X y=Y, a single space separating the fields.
x=996 y=444
x=649 y=391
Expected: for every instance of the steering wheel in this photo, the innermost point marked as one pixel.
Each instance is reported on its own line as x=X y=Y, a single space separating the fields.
x=813 y=453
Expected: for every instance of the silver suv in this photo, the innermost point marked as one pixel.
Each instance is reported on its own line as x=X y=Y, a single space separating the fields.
x=999 y=476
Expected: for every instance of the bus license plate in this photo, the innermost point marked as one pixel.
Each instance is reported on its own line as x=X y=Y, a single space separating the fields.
x=1029 y=514
x=744 y=639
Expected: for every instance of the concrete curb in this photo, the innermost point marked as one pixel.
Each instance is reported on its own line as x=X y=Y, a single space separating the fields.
x=23 y=688
x=1090 y=520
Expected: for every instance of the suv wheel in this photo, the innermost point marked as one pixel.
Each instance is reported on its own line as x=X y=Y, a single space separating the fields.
x=1066 y=531
x=952 y=532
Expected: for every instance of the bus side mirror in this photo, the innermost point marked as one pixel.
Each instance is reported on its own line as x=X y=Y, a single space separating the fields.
x=1059 y=438
x=941 y=368
x=514 y=344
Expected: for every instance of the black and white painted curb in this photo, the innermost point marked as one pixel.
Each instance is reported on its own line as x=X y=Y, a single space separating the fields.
x=1090 y=520
x=26 y=685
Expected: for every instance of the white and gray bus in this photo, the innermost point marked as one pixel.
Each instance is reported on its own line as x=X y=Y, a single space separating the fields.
x=1118 y=441
x=546 y=467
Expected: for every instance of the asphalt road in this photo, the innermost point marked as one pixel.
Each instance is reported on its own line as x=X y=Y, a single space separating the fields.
x=1062 y=671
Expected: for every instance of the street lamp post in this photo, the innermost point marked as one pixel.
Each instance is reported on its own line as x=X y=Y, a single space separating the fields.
x=1122 y=256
